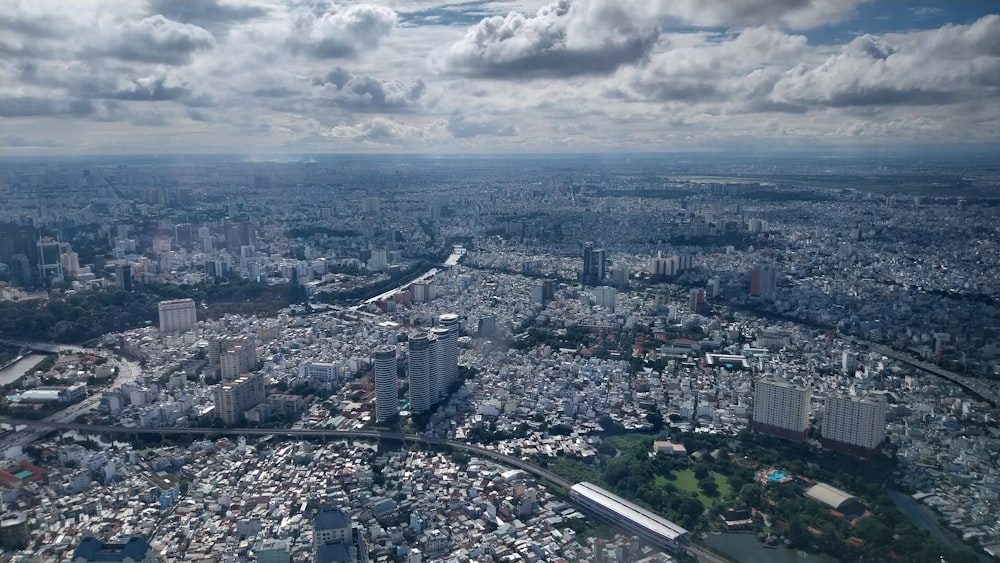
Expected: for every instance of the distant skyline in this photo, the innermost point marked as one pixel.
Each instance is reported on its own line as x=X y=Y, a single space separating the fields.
x=307 y=76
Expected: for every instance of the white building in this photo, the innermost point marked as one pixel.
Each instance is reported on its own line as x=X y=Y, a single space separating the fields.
x=853 y=423
x=177 y=316
x=781 y=408
x=386 y=383
x=420 y=371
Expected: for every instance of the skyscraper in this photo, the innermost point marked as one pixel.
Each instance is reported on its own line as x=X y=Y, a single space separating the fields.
x=781 y=408
x=386 y=386
x=423 y=391
x=854 y=424
x=594 y=265
x=764 y=281
x=448 y=351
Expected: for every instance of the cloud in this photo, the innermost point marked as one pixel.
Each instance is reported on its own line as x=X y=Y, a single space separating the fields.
x=159 y=40
x=150 y=89
x=562 y=39
x=208 y=14
x=326 y=31
x=367 y=93
x=739 y=69
x=380 y=131
x=31 y=106
x=936 y=67
x=461 y=127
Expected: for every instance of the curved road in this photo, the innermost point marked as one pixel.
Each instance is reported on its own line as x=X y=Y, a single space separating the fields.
x=128 y=371
x=42 y=425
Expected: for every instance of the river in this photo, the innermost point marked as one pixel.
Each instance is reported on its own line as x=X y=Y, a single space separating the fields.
x=745 y=548
x=924 y=517
x=15 y=371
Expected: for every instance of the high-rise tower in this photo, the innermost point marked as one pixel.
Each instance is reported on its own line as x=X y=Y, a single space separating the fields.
x=594 y=265
x=386 y=386
x=854 y=424
x=781 y=408
x=420 y=370
x=448 y=347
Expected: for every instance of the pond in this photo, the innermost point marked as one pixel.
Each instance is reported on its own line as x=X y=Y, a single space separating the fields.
x=745 y=548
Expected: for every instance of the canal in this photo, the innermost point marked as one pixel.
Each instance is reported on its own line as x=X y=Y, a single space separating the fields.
x=15 y=371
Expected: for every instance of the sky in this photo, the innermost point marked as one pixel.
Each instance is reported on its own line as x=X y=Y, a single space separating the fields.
x=283 y=77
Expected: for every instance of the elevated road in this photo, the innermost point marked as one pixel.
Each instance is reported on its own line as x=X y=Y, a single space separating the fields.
x=975 y=386
x=42 y=425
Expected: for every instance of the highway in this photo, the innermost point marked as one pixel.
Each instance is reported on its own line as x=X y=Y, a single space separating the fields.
x=970 y=384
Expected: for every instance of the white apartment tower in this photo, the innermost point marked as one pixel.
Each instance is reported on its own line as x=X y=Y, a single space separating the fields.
x=449 y=351
x=854 y=424
x=781 y=408
x=177 y=316
x=420 y=371
x=386 y=386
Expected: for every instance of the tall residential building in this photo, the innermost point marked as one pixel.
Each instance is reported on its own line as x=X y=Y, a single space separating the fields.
x=764 y=281
x=781 y=408
x=439 y=362
x=237 y=359
x=233 y=398
x=696 y=301
x=595 y=262
x=177 y=316
x=238 y=354
x=386 y=383
x=854 y=424
x=448 y=346
x=70 y=262
x=420 y=371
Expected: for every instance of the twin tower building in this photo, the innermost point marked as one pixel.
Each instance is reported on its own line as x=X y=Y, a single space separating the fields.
x=432 y=369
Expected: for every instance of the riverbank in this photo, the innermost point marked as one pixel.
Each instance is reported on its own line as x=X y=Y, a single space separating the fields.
x=17 y=369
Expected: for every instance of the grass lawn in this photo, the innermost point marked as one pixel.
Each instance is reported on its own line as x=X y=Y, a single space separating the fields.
x=685 y=481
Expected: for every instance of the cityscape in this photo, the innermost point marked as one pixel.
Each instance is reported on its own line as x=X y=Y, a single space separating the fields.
x=587 y=281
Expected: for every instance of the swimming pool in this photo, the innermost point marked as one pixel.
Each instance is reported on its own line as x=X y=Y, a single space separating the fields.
x=777 y=476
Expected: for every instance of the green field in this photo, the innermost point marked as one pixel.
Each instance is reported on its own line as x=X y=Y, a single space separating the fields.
x=685 y=481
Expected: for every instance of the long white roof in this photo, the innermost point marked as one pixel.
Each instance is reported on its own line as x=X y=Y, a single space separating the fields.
x=625 y=509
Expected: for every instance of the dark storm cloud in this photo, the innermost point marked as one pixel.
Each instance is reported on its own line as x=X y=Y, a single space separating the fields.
x=208 y=14
x=462 y=128
x=326 y=31
x=32 y=106
x=562 y=39
x=368 y=93
x=159 y=40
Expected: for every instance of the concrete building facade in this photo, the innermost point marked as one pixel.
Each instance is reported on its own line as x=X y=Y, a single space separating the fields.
x=781 y=408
